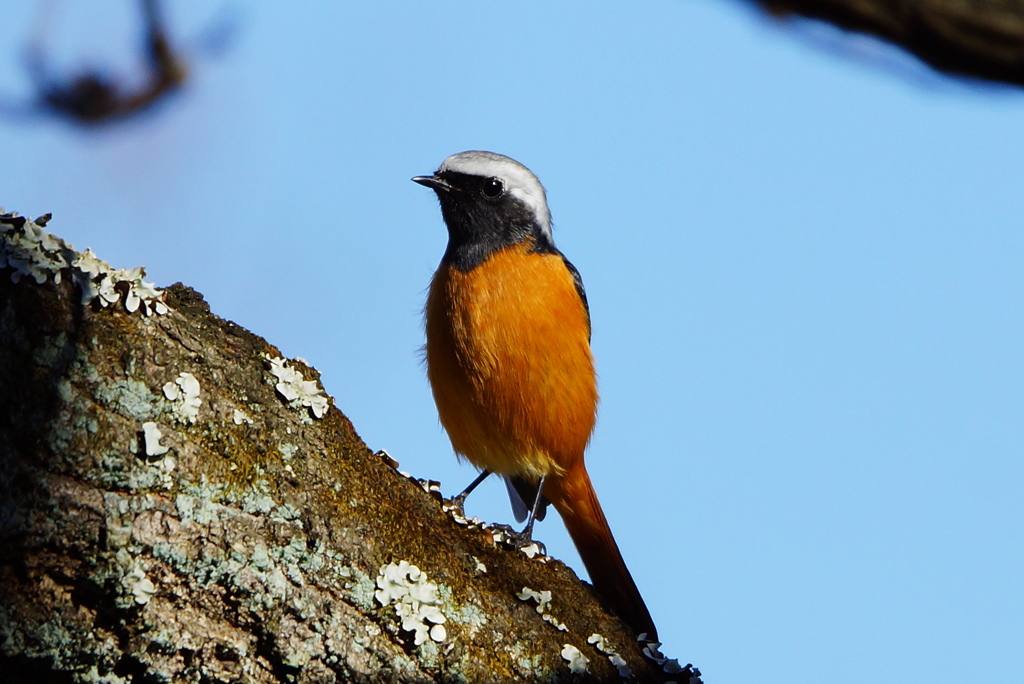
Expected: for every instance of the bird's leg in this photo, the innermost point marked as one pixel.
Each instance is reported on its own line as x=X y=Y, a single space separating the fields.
x=525 y=538
x=459 y=501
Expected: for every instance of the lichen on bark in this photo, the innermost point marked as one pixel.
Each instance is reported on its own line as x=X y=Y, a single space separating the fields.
x=145 y=537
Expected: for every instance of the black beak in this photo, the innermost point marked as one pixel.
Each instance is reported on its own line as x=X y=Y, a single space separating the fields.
x=432 y=182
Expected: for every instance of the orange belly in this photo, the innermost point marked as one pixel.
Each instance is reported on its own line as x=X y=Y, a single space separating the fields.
x=509 y=362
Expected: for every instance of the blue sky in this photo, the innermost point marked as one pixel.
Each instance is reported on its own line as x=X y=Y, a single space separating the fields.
x=802 y=252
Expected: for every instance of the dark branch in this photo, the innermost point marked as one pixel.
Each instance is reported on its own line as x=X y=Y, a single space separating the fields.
x=977 y=38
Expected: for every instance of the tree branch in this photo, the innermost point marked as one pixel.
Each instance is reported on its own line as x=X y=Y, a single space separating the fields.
x=172 y=508
x=978 y=38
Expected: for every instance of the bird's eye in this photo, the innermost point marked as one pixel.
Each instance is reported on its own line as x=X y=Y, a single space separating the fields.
x=493 y=188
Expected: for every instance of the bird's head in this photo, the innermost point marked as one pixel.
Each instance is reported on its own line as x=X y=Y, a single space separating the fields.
x=489 y=201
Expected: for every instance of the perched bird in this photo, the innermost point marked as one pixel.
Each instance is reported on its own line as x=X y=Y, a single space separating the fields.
x=509 y=362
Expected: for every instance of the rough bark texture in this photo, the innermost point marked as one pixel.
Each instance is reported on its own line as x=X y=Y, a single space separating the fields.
x=248 y=552
x=980 y=38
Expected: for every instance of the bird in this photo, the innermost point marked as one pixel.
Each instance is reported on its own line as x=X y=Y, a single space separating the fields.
x=509 y=362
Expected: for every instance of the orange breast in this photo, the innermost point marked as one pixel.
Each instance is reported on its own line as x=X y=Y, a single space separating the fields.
x=509 y=363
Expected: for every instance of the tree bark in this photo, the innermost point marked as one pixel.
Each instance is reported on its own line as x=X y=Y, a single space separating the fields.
x=977 y=38
x=173 y=510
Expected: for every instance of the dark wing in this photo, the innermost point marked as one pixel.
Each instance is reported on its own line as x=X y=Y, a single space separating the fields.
x=577 y=280
x=522 y=493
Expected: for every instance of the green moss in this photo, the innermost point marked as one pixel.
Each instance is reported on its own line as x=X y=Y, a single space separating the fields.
x=241 y=461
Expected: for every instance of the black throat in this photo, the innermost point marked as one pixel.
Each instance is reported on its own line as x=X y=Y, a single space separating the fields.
x=479 y=227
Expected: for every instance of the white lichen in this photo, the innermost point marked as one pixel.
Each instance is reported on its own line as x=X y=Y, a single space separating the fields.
x=429 y=486
x=600 y=643
x=620 y=664
x=239 y=417
x=534 y=550
x=296 y=389
x=103 y=283
x=414 y=598
x=543 y=601
x=554 y=622
x=577 y=661
x=151 y=436
x=672 y=666
x=652 y=651
x=31 y=252
x=542 y=598
x=142 y=587
x=154 y=450
x=184 y=391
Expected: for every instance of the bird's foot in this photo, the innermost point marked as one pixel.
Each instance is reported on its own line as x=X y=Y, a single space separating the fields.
x=524 y=541
x=456 y=506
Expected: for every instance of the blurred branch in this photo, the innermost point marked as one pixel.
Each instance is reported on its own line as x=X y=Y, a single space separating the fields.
x=977 y=38
x=92 y=98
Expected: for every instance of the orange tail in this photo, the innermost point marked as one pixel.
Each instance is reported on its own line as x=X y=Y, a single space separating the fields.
x=575 y=499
